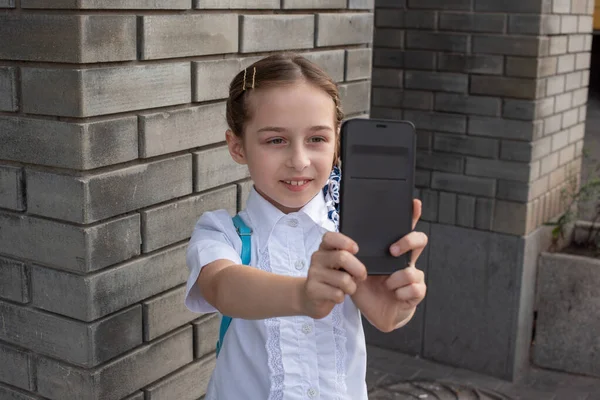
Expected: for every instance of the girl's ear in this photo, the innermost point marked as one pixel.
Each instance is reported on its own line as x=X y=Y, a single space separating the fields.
x=236 y=147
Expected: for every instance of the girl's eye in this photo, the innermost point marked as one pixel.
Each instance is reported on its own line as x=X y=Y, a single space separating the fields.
x=317 y=139
x=275 y=141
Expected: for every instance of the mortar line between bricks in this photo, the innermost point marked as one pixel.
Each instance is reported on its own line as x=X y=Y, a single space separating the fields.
x=185 y=12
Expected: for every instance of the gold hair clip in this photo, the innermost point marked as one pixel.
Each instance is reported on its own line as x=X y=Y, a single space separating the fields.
x=244 y=87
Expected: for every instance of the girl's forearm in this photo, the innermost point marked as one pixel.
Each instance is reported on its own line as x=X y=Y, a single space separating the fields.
x=258 y=294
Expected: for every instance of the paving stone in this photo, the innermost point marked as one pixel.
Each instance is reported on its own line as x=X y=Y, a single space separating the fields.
x=109 y=4
x=68 y=38
x=120 y=377
x=164 y=313
x=14 y=280
x=107 y=90
x=69 y=247
x=103 y=195
x=188 y=383
x=15 y=368
x=276 y=32
x=75 y=342
x=163 y=225
x=344 y=29
x=8 y=89
x=172 y=131
x=93 y=296
x=206 y=334
x=162 y=36
x=82 y=146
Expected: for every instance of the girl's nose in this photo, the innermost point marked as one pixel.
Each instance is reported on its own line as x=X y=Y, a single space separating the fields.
x=298 y=158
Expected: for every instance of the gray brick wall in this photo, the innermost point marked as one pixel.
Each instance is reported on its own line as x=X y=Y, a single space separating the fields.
x=499 y=88
x=112 y=122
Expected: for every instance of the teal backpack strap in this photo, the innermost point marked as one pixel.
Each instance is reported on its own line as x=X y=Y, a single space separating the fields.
x=246 y=235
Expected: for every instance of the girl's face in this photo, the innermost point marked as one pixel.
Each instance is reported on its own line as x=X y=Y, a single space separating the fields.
x=288 y=144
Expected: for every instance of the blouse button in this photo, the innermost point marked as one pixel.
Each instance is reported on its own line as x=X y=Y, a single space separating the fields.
x=299 y=264
x=293 y=223
x=307 y=328
x=312 y=393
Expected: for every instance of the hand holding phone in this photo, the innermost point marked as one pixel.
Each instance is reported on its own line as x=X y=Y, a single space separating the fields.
x=376 y=199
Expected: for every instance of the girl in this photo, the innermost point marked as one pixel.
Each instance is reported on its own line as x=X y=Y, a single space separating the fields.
x=296 y=308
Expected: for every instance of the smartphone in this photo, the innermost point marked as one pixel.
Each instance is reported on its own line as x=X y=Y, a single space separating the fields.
x=376 y=191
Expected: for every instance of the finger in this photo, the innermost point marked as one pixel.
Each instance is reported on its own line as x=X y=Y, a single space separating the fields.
x=405 y=277
x=338 y=241
x=415 y=241
x=411 y=294
x=417 y=209
x=322 y=291
x=341 y=259
x=339 y=279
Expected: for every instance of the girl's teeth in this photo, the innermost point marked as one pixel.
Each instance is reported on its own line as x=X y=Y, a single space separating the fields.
x=295 y=183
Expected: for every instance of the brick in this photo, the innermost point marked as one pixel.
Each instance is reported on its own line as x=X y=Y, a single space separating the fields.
x=7 y=4
x=388 y=58
x=10 y=393
x=436 y=81
x=528 y=67
x=12 y=188
x=463 y=184
x=206 y=333
x=465 y=206
x=528 y=110
x=8 y=89
x=549 y=163
x=135 y=396
x=355 y=97
x=120 y=377
x=236 y=4
x=424 y=140
x=476 y=105
x=515 y=171
x=386 y=113
x=386 y=37
x=577 y=133
x=441 y=4
x=392 y=78
x=509 y=6
x=358 y=64
x=407 y=99
x=561 y=6
x=78 y=343
x=103 y=195
x=437 y=121
x=484 y=213
x=212 y=78
x=469 y=22
x=454 y=42
x=507 y=45
x=343 y=29
x=390 y=3
x=585 y=24
x=560 y=140
x=513 y=191
x=164 y=313
x=98 y=91
x=466 y=145
x=276 y=32
x=93 y=296
x=389 y=18
x=15 y=367
x=504 y=87
x=507 y=129
x=558 y=45
x=68 y=38
x=308 y=4
x=82 y=146
x=420 y=60
x=541 y=148
x=471 y=63
x=109 y=4
x=171 y=131
x=566 y=155
x=447 y=208
x=582 y=113
x=439 y=162
x=516 y=151
x=570 y=118
x=525 y=24
x=14 y=282
x=214 y=167
x=582 y=61
x=422 y=178
x=579 y=6
x=331 y=61
x=430 y=201
x=162 y=36
x=69 y=247
x=555 y=85
x=162 y=225
x=568 y=24
x=579 y=97
x=510 y=217
x=563 y=102
x=188 y=383
x=552 y=124
x=576 y=43
x=361 y=4
x=550 y=24
x=243 y=191
x=588 y=43
x=415 y=19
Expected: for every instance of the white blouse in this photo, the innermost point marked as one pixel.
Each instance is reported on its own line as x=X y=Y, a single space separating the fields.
x=279 y=358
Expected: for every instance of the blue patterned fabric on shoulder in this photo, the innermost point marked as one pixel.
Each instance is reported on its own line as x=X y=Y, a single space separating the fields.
x=332 y=196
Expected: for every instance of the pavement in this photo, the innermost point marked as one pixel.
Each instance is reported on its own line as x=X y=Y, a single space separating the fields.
x=395 y=376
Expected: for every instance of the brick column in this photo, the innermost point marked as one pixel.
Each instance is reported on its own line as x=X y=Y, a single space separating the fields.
x=497 y=90
x=111 y=146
